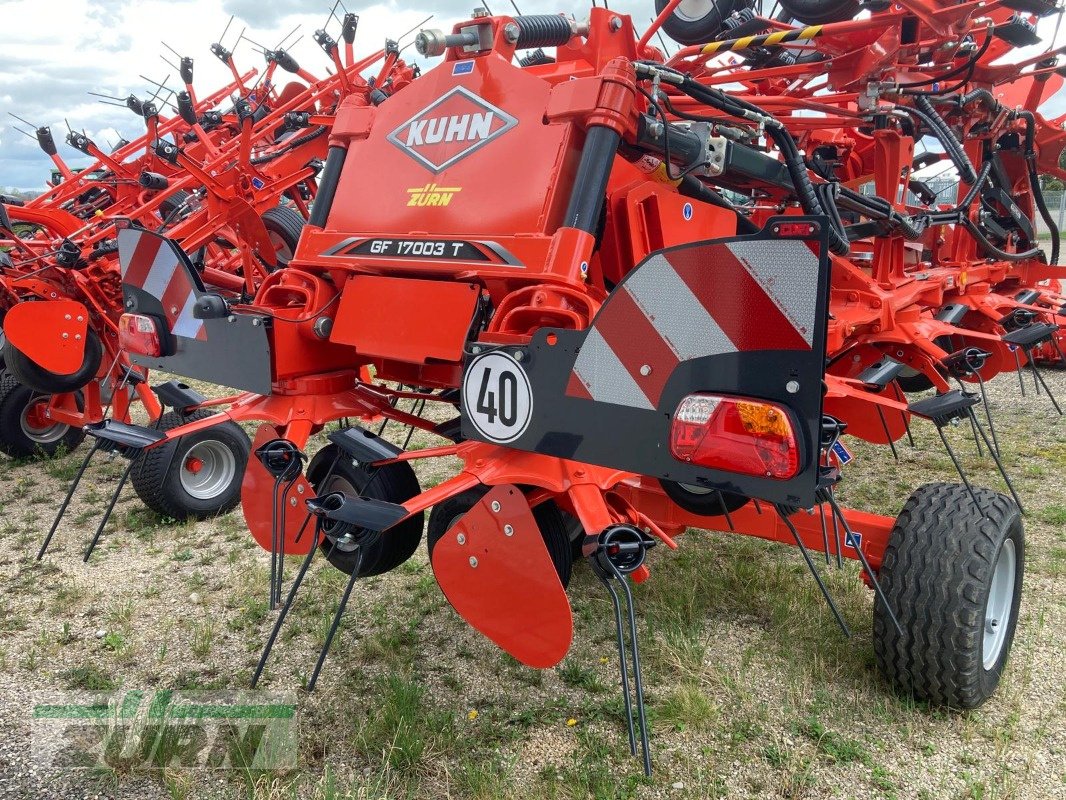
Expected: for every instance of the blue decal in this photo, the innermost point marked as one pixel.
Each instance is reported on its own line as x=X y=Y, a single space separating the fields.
x=686 y=212
x=258 y=183
x=462 y=68
x=842 y=453
x=853 y=540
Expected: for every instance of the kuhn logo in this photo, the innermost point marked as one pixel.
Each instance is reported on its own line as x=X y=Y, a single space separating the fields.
x=451 y=128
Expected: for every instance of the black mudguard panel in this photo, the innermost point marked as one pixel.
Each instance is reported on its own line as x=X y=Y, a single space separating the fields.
x=740 y=316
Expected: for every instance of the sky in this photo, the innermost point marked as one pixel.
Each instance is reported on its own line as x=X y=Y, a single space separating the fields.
x=56 y=51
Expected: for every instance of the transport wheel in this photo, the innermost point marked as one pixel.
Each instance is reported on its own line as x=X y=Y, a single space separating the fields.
x=912 y=381
x=701 y=500
x=198 y=475
x=24 y=430
x=27 y=371
x=395 y=483
x=283 y=225
x=699 y=21
x=820 y=12
x=953 y=577
x=553 y=527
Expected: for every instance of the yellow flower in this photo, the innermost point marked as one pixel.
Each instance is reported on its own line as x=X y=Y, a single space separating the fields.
x=603 y=659
x=571 y=722
x=472 y=714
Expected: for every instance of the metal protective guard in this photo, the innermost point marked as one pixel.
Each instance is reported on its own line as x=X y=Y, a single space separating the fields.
x=51 y=333
x=506 y=586
x=742 y=316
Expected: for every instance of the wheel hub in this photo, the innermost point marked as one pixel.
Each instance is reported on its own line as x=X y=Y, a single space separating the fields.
x=207 y=470
x=37 y=426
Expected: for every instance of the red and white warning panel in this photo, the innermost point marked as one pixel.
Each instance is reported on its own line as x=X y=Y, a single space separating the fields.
x=742 y=320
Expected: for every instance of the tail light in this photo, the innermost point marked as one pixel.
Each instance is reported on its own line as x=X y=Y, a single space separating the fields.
x=735 y=434
x=140 y=334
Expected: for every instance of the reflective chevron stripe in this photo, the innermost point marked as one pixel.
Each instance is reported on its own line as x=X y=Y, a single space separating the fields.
x=157 y=270
x=692 y=303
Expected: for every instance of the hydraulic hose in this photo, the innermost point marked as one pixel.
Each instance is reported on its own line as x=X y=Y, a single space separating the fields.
x=947 y=138
x=794 y=163
x=1034 y=182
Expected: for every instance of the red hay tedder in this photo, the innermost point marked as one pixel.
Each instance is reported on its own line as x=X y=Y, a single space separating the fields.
x=230 y=178
x=647 y=293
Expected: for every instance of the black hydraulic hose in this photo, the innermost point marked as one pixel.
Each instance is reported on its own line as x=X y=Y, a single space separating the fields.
x=327 y=186
x=1034 y=182
x=969 y=65
x=947 y=138
x=993 y=251
x=321 y=130
x=794 y=163
x=697 y=190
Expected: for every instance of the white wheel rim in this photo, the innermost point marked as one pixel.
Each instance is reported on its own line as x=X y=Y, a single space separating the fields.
x=693 y=10
x=999 y=605
x=40 y=434
x=281 y=247
x=693 y=489
x=207 y=470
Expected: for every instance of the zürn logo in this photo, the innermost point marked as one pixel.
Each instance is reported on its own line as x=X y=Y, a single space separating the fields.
x=451 y=128
x=166 y=730
x=432 y=195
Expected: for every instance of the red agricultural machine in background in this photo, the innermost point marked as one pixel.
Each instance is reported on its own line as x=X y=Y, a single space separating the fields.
x=648 y=292
x=230 y=177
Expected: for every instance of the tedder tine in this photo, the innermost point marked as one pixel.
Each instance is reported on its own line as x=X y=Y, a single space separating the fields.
x=998 y=460
x=66 y=500
x=335 y=623
x=856 y=543
x=282 y=459
x=285 y=607
x=621 y=550
x=110 y=508
x=1038 y=378
x=781 y=512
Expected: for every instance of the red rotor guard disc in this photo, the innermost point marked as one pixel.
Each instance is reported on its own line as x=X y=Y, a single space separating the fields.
x=50 y=332
x=257 y=497
x=506 y=586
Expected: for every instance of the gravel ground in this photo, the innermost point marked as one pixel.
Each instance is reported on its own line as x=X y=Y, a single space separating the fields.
x=752 y=691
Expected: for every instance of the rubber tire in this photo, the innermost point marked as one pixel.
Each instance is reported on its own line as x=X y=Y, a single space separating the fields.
x=912 y=384
x=15 y=397
x=706 y=505
x=28 y=372
x=821 y=12
x=156 y=479
x=704 y=29
x=550 y=520
x=395 y=483
x=286 y=223
x=936 y=574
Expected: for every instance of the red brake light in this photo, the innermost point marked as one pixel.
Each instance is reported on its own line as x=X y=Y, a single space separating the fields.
x=139 y=333
x=795 y=229
x=735 y=434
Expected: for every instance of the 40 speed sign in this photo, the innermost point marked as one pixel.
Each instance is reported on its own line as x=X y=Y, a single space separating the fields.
x=497 y=398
